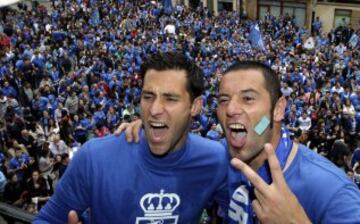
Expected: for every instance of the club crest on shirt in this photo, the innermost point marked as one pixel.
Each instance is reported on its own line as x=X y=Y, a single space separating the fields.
x=159 y=208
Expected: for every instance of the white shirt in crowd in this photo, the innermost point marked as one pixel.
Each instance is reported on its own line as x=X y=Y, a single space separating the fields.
x=304 y=123
x=58 y=147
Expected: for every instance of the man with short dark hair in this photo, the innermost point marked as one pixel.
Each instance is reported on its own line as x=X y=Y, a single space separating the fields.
x=290 y=184
x=169 y=177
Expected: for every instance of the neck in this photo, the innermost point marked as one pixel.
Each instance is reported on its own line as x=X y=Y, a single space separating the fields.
x=173 y=148
x=259 y=160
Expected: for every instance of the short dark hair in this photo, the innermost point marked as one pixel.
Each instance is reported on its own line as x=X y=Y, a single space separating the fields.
x=64 y=156
x=11 y=174
x=177 y=61
x=338 y=151
x=272 y=82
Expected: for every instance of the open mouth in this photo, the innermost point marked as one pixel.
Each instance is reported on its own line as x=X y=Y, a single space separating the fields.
x=237 y=130
x=238 y=133
x=158 y=130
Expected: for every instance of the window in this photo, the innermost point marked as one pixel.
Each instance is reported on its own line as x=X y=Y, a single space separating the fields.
x=341 y=1
x=342 y=17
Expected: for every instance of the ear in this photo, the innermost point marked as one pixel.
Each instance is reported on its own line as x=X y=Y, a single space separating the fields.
x=279 y=110
x=196 y=106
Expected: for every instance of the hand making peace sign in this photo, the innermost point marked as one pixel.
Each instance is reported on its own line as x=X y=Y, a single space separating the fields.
x=274 y=203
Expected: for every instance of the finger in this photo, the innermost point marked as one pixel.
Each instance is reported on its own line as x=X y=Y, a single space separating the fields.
x=257 y=208
x=73 y=218
x=121 y=128
x=136 y=130
x=252 y=176
x=275 y=169
x=259 y=196
x=128 y=133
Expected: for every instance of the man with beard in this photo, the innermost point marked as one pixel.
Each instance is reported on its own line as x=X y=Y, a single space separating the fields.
x=290 y=184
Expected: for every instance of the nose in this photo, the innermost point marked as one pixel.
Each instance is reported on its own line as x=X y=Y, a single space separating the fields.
x=156 y=108
x=234 y=107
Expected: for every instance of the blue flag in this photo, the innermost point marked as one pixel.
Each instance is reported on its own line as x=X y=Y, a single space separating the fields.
x=168 y=8
x=255 y=38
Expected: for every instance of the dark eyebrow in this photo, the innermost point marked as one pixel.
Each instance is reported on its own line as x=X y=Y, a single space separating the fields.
x=147 y=92
x=249 y=91
x=241 y=92
x=173 y=95
x=222 y=95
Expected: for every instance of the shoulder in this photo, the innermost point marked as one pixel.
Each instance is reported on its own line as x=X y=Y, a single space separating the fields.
x=102 y=153
x=106 y=143
x=321 y=187
x=206 y=150
x=319 y=169
x=205 y=145
x=313 y=175
x=105 y=148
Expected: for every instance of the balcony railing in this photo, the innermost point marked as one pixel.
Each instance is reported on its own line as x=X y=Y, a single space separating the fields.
x=12 y=214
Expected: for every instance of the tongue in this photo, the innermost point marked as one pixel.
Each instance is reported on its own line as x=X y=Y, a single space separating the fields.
x=238 y=139
x=158 y=133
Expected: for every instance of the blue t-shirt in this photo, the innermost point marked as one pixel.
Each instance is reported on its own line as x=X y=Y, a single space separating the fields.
x=125 y=183
x=324 y=191
x=356 y=157
x=213 y=135
x=16 y=163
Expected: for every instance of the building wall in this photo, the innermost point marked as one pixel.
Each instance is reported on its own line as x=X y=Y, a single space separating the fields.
x=235 y=5
x=326 y=13
x=251 y=7
x=210 y=5
x=293 y=8
x=300 y=8
x=310 y=5
x=355 y=19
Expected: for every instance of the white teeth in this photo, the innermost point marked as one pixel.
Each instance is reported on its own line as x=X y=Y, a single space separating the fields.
x=237 y=126
x=158 y=125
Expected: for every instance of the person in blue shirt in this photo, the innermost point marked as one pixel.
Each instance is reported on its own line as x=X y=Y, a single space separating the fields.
x=280 y=181
x=316 y=25
x=291 y=184
x=19 y=163
x=213 y=134
x=355 y=98
x=9 y=90
x=161 y=179
x=99 y=116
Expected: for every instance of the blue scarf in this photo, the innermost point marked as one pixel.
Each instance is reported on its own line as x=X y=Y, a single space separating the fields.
x=236 y=179
x=282 y=152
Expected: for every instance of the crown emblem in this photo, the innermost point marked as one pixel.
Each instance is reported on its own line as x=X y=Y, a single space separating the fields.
x=163 y=204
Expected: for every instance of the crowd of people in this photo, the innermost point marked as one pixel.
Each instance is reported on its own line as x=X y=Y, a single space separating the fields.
x=70 y=72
